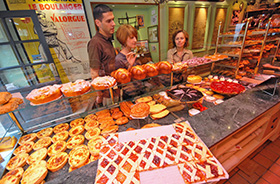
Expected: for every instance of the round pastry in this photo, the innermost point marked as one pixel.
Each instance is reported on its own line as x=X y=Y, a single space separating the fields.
x=76 y=88
x=61 y=136
x=38 y=155
x=57 y=161
x=117 y=115
x=36 y=175
x=106 y=124
x=94 y=145
x=61 y=127
x=140 y=110
x=17 y=161
x=116 y=109
x=44 y=94
x=91 y=124
x=151 y=125
x=82 y=146
x=193 y=79
x=100 y=83
x=151 y=69
x=138 y=72
x=122 y=120
x=45 y=133
x=78 y=157
x=101 y=116
x=11 y=105
x=34 y=165
x=110 y=129
x=164 y=67
x=10 y=180
x=24 y=148
x=5 y=97
x=77 y=130
x=44 y=142
x=91 y=133
x=77 y=122
x=17 y=172
x=129 y=129
x=90 y=117
x=122 y=75
x=27 y=138
x=75 y=141
x=59 y=146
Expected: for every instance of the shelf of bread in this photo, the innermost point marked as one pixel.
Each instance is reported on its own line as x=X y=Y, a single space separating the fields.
x=229 y=45
x=230 y=34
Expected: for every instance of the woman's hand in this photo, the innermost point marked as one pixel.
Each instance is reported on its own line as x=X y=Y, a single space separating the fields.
x=131 y=57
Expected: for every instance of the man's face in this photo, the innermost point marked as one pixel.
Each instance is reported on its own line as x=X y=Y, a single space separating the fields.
x=107 y=25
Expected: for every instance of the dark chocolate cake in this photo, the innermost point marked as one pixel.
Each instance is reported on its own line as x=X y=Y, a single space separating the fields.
x=184 y=93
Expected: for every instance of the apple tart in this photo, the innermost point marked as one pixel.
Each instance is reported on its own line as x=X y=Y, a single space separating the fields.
x=17 y=161
x=38 y=155
x=45 y=133
x=94 y=145
x=24 y=148
x=75 y=141
x=27 y=138
x=78 y=157
x=59 y=146
x=61 y=136
x=91 y=133
x=61 y=127
x=77 y=130
x=91 y=124
x=44 y=142
x=17 y=172
x=90 y=117
x=77 y=122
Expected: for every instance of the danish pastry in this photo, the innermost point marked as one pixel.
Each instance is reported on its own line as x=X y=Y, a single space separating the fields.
x=75 y=141
x=90 y=117
x=77 y=130
x=61 y=136
x=91 y=124
x=57 y=161
x=17 y=172
x=27 y=138
x=59 y=146
x=44 y=142
x=91 y=133
x=38 y=155
x=110 y=129
x=78 y=157
x=94 y=145
x=100 y=83
x=117 y=115
x=140 y=110
x=17 y=161
x=24 y=148
x=61 y=127
x=36 y=175
x=76 y=122
x=45 y=133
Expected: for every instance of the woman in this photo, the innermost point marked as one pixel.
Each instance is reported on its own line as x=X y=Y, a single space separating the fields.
x=179 y=53
x=127 y=36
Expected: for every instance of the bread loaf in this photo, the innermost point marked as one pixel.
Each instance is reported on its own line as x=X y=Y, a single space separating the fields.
x=164 y=67
x=138 y=72
x=151 y=69
x=122 y=75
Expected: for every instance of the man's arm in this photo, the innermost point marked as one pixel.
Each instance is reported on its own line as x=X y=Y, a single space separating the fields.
x=93 y=73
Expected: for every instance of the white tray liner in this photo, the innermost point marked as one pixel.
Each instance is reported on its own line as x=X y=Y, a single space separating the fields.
x=167 y=175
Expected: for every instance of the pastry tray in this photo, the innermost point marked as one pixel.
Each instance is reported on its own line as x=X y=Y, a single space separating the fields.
x=170 y=174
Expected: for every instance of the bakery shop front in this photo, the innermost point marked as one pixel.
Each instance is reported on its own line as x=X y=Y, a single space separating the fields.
x=193 y=120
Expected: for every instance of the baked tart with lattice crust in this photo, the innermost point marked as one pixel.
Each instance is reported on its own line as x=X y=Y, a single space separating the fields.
x=91 y=133
x=59 y=146
x=27 y=138
x=75 y=141
x=38 y=155
x=77 y=122
x=61 y=127
x=24 y=148
x=77 y=130
x=44 y=142
x=17 y=161
x=45 y=133
x=61 y=136
x=57 y=161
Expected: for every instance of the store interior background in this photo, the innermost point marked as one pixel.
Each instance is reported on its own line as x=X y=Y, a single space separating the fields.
x=191 y=18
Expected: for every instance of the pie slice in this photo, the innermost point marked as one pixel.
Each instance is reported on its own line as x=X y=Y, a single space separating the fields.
x=210 y=168
x=94 y=145
x=91 y=133
x=35 y=175
x=57 y=161
x=76 y=122
x=91 y=124
x=44 y=142
x=24 y=148
x=77 y=130
x=17 y=172
x=181 y=154
x=61 y=127
x=45 y=133
x=59 y=146
x=17 y=161
x=75 y=141
x=38 y=155
x=78 y=157
x=111 y=139
x=184 y=130
x=190 y=172
x=61 y=136
x=27 y=138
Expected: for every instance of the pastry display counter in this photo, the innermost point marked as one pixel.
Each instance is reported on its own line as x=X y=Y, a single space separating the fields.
x=232 y=130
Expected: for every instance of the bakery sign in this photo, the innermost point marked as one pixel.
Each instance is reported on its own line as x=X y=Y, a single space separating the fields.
x=66 y=32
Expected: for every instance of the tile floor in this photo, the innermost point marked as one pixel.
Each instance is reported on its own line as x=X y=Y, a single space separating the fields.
x=261 y=167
